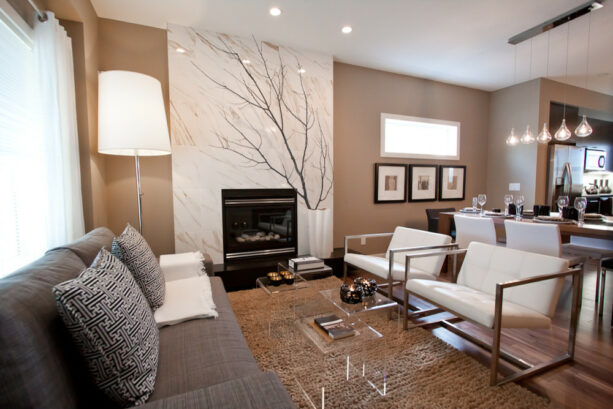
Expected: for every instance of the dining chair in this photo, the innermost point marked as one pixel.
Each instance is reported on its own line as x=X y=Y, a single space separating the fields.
x=598 y=250
x=474 y=228
x=607 y=266
x=542 y=239
x=433 y=216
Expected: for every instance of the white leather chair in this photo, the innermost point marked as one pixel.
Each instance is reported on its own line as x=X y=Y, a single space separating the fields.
x=391 y=266
x=474 y=228
x=531 y=285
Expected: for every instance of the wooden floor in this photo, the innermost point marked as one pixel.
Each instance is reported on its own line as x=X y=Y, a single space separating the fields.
x=587 y=382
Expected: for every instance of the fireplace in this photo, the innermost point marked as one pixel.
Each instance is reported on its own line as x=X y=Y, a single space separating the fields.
x=259 y=224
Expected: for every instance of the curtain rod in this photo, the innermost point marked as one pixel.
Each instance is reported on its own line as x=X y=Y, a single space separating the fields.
x=42 y=16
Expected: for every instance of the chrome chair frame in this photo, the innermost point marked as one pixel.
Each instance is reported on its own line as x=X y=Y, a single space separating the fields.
x=526 y=369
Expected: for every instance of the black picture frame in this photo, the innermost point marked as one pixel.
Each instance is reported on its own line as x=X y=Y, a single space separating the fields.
x=413 y=183
x=379 y=169
x=443 y=192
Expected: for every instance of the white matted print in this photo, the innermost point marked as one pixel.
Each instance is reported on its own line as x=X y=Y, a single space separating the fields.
x=390 y=183
x=452 y=182
x=422 y=183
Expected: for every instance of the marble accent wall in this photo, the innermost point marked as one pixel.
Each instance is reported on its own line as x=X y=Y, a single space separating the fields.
x=229 y=128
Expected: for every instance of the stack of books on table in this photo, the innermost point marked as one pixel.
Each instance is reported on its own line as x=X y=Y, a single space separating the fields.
x=306 y=263
x=334 y=327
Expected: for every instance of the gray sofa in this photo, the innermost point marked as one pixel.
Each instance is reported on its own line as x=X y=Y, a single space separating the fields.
x=202 y=363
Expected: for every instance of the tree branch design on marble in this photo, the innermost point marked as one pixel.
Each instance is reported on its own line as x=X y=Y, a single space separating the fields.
x=265 y=90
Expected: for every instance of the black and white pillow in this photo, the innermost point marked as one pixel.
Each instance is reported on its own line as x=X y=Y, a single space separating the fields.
x=111 y=323
x=140 y=260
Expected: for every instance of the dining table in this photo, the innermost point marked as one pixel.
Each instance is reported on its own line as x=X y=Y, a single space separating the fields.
x=593 y=229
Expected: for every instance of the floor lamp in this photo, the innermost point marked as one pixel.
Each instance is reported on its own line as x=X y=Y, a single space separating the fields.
x=131 y=119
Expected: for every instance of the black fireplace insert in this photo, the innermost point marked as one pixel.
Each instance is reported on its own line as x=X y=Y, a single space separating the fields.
x=259 y=223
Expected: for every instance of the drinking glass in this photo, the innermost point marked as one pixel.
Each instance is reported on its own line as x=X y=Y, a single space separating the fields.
x=519 y=206
x=475 y=202
x=482 y=199
x=580 y=204
x=562 y=203
x=508 y=199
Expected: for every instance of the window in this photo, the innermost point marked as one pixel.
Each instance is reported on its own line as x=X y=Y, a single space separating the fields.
x=419 y=138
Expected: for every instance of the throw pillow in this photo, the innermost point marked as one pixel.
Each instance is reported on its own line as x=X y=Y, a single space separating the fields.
x=140 y=260
x=111 y=323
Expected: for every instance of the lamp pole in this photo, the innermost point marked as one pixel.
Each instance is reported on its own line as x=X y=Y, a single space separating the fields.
x=139 y=195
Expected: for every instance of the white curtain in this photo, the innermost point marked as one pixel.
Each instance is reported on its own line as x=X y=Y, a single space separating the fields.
x=58 y=119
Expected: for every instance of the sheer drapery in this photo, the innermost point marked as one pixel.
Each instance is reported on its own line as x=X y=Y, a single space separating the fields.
x=40 y=183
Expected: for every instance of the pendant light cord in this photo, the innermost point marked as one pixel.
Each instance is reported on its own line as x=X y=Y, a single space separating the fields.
x=566 y=67
x=587 y=62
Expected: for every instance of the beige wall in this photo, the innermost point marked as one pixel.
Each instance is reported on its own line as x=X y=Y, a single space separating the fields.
x=552 y=91
x=131 y=47
x=515 y=106
x=360 y=96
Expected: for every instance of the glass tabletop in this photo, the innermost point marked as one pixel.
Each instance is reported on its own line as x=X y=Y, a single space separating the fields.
x=374 y=302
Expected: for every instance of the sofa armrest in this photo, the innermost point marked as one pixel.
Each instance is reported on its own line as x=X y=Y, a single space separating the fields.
x=261 y=391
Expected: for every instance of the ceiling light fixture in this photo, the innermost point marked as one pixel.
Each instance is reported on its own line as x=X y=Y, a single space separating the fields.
x=246 y=61
x=301 y=70
x=275 y=11
x=347 y=29
x=180 y=50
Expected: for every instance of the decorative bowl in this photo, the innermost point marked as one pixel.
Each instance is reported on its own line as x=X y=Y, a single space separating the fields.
x=369 y=286
x=289 y=278
x=275 y=279
x=351 y=294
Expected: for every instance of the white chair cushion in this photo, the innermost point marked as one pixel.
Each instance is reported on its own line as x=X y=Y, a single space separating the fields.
x=405 y=237
x=476 y=305
x=486 y=265
x=534 y=237
x=379 y=266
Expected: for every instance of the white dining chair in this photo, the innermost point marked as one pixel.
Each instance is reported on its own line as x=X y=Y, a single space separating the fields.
x=474 y=228
x=598 y=250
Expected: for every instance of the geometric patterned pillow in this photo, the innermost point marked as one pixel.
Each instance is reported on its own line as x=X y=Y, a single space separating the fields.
x=112 y=325
x=140 y=260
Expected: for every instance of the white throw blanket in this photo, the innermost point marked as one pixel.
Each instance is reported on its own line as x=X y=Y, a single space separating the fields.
x=186 y=299
x=184 y=265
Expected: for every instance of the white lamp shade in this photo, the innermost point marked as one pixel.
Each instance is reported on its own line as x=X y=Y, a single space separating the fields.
x=131 y=115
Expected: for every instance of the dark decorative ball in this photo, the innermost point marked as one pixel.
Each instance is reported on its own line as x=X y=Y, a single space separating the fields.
x=369 y=286
x=352 y=294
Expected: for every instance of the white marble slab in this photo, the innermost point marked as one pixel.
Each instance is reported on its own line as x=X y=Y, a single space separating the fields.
x=200 y=111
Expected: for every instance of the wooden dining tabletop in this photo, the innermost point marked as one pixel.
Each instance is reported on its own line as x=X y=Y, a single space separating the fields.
x=595 y=230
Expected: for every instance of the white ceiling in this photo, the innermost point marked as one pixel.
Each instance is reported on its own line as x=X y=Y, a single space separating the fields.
x=460 y=42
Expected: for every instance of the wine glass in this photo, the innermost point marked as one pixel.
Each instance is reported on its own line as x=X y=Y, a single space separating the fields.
x=482 y=199
x=508 y=199
x=475 y=203
x=519 y=206
x=580 y=204
x=562 y=203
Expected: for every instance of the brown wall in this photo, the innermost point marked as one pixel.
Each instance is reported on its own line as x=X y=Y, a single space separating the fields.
x=131 y=47
x=360 y=96
x=515 y=106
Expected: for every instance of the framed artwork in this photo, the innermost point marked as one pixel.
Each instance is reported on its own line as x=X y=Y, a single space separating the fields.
x=452 y=182
x=390 y=183
x=422 y=183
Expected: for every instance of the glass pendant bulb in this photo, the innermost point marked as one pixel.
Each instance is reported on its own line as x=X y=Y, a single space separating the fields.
x=563 y=133
x=584 y=129
x=544 y=136
x=527 y=137
x=512 y=139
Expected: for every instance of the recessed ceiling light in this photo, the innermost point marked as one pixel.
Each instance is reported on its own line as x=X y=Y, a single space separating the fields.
x=180 y=50
x=301 y=70
x=246 y=61
x=347 y=29
x=275 y=11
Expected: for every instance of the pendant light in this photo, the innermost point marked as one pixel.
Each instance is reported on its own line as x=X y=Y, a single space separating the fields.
x=563 y=133
x=584 y=129
x=513 y=139
x=544 y=137
x=527 y=137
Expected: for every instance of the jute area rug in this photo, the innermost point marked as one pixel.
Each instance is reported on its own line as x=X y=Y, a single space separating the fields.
x=422 y=370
